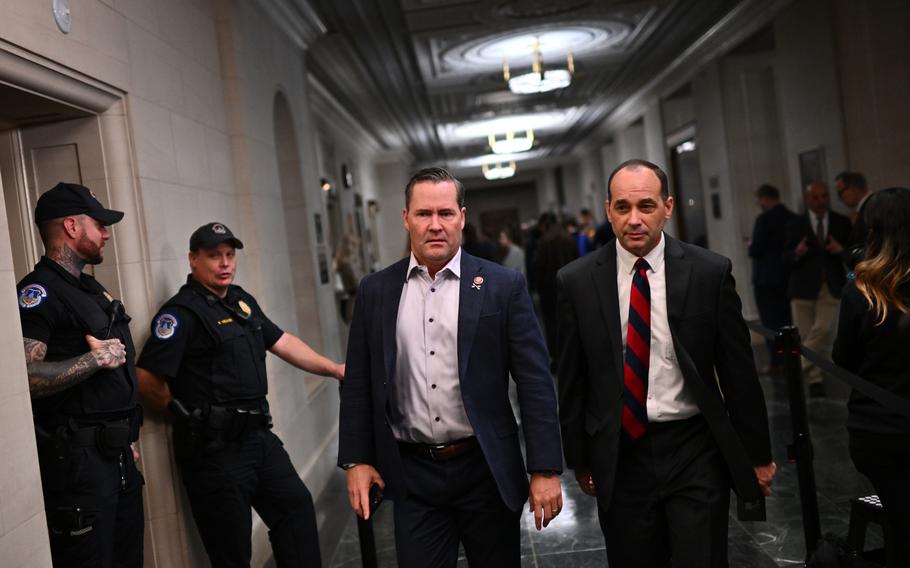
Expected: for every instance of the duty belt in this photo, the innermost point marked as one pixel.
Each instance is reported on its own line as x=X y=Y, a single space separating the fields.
x=214 y=423
x=109 y=435
x=230 y=424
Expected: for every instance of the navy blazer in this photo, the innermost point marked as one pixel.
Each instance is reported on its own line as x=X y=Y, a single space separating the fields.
x=712 y=346
x=498 y=336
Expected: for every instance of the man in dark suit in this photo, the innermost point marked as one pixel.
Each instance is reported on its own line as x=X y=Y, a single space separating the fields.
x=854 y=193
x=660 y=404
x=814 y=254
x=769 y=274
x=425 y=411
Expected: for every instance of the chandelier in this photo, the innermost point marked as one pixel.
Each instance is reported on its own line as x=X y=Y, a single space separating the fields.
x=539 y=80
x=498 y=171
x=512 y=144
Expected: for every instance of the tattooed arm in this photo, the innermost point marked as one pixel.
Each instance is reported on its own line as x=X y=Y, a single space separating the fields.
x=50 y=377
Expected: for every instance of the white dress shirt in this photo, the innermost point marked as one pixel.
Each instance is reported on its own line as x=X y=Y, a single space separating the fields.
x=426 y=393
x=668 y=398
x=815 y=218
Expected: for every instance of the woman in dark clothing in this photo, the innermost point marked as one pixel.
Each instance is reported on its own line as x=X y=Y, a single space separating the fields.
x=873 y=341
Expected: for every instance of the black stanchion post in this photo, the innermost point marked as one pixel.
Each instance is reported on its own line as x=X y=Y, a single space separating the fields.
x=367 y=543
x=800 y=450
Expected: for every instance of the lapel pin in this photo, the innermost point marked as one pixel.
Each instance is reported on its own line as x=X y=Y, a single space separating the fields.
x=478 y=282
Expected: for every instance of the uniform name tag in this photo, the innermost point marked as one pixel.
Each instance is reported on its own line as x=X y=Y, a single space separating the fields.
x=225 y=321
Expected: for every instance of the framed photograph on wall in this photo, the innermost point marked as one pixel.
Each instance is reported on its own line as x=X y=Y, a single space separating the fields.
x=812 y=167
x=317 y=224
x=323 y=268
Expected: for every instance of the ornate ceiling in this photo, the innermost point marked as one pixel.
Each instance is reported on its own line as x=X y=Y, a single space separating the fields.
x=427 y=75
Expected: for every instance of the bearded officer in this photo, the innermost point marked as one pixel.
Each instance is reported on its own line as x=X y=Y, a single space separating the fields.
x=205 y=361
x=82 y=380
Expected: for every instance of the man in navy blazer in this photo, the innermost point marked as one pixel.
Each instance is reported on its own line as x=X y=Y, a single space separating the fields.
x=425 y=411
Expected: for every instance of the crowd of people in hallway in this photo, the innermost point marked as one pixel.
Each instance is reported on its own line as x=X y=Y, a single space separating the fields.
x=801 y=263
x=656 y=405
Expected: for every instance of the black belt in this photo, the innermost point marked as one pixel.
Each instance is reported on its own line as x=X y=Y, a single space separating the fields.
x=115 y=434
x=441 y=452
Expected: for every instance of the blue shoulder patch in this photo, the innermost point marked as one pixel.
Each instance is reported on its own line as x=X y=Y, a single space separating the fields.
x=31 y=296
x=165 y=325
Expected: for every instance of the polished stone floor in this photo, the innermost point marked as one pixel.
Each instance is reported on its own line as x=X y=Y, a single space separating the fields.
x=574 y=539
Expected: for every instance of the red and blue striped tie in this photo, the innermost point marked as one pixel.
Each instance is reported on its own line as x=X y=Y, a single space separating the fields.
x=638 y=354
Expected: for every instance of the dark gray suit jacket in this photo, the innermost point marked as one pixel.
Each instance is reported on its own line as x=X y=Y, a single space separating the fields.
x=712 y=345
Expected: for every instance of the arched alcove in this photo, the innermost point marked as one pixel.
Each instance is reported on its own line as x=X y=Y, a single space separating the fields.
x=296 y=220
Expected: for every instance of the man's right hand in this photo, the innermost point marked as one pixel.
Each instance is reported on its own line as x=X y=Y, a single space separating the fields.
x=802 y=248
x=108 y=353
x=585 y=481
x=360 y=478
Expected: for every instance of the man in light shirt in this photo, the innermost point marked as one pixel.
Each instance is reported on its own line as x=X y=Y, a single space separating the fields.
x=660 y=404
x=425 y=412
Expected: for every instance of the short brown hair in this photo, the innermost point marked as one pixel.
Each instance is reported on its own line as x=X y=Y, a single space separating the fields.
x=435 y=175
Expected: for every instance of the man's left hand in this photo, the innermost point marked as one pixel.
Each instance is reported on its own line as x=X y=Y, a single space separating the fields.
x=339 y=372
x=545 y=498
x=764 y=474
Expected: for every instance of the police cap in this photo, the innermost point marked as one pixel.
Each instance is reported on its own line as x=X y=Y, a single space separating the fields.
x=211 y=235
x=73 y=199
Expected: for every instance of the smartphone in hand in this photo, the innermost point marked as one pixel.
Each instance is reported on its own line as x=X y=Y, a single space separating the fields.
x=375 y=498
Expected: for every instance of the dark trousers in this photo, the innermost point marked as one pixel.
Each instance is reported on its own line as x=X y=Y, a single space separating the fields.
x=223 y=483
x=94 y=508
x=670 y=500
x=774 y=313
x=886 y=461
x=452 y=501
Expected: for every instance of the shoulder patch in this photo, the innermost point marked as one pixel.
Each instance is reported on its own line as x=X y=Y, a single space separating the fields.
x=165 y=326
x=32 y=295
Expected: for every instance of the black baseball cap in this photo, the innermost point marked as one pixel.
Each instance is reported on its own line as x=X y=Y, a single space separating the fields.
x=73 y=199
x=211 y=235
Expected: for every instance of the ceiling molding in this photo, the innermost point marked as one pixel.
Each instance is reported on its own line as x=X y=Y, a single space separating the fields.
x=325 y=103
x=738 y=25
x=296 y=18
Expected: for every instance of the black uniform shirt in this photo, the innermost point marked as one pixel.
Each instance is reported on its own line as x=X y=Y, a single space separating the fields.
x=181 y=346
x=62 y=325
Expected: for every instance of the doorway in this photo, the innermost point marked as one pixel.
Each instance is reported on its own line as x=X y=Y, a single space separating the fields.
x=690 y=206
x=43 y=142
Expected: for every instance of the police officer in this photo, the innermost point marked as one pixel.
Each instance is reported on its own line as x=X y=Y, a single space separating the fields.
x=205 y=362
x=82 y=380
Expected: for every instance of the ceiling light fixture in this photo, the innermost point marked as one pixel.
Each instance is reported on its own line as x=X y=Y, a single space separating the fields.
x=498 y=171
x=512 y=144
x=539 y=80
